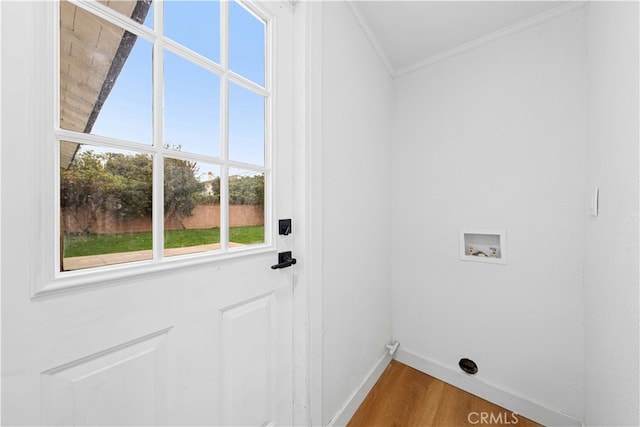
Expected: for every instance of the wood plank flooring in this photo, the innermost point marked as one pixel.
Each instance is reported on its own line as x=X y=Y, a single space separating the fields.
x=406 y=397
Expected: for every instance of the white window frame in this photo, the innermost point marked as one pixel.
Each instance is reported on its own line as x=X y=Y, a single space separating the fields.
x=47 y=278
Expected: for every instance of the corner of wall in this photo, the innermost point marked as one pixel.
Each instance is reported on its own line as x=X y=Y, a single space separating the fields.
x=510 y=401
x=611 y=258
x=344 y=414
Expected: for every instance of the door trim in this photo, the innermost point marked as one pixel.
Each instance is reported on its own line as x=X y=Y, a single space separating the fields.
x=308 y=209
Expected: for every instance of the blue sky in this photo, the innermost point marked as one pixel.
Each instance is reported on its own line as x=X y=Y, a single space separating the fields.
x=191 y=95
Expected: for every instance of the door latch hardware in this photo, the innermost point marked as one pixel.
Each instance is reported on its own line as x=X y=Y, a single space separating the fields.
x=284 y=260
x=284 y=227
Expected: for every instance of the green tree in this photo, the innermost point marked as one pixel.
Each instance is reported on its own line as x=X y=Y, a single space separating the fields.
x=210 y=194
x=122 y=184
x=181 y=187
x=87 y=188
x=134 y=174
x=246 y=190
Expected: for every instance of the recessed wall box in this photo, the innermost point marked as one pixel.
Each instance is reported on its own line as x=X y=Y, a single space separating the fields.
x=483 y=246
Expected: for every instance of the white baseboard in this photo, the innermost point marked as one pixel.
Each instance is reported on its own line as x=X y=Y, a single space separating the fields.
x=511 y=402
x=357 y=397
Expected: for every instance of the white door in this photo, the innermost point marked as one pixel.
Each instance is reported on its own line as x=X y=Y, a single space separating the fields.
x=198 y=337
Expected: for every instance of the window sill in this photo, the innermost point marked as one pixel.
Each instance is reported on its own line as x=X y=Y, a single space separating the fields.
x=113 y=275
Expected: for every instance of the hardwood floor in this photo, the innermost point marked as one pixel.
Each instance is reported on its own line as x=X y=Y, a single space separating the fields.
x=404 y=396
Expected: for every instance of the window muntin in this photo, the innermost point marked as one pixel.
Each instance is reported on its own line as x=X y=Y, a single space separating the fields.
x=196 y=126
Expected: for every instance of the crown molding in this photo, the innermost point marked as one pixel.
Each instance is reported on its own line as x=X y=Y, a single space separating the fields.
x=505 y=32
x=465 y=47
x=373 y=40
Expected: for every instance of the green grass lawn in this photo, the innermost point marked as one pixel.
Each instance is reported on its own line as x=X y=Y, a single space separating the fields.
x=96 y=244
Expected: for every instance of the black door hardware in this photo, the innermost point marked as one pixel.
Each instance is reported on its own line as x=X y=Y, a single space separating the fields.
x=284 y=260
x=284 y=227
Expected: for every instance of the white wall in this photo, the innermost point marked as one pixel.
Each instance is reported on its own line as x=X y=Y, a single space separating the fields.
x=611 y=245
x=494 y=138
x=357 y=107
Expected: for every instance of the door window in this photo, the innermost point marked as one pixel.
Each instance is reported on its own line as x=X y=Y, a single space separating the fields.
x=163 y=131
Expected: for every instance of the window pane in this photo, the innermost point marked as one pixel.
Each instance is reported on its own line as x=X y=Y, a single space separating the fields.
x=105 y=206
x=191 y=207
x=105 y=78
x=140 y=11
x=195 y=25
x=191 y=107
x=246 y=43
x=246 y=125
x=246 y=207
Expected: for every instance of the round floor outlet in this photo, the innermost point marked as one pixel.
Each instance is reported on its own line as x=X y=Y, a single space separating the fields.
x=468 y=365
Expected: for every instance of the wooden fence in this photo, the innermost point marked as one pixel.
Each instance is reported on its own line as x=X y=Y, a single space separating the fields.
x=203 y=216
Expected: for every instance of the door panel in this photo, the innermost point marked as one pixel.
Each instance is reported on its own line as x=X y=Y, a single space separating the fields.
x=248 y=348
x=246 y=363
x=205 y=344
x=125 y=385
